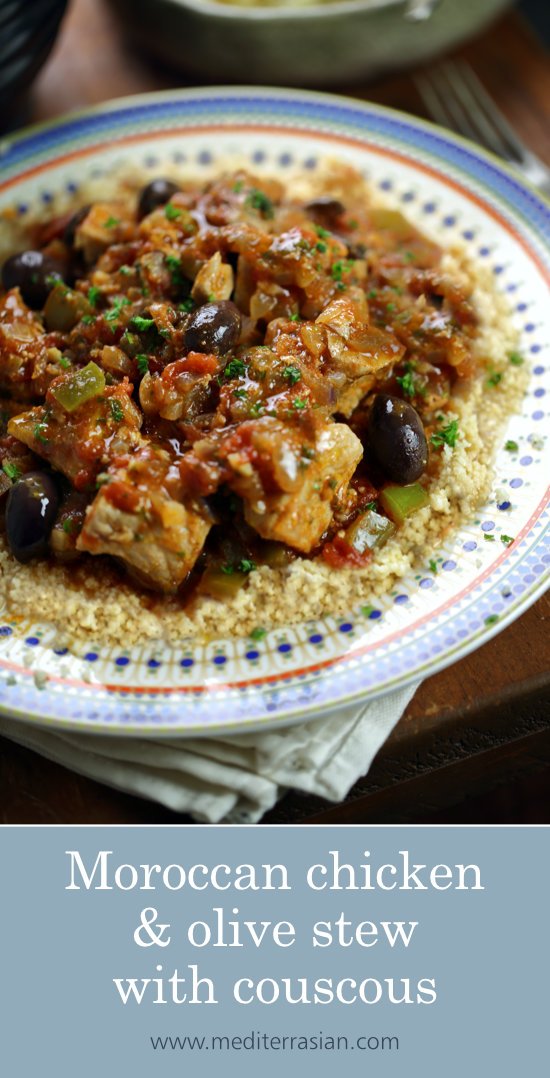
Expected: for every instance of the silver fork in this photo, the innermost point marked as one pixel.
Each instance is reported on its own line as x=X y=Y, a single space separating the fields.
x=454 y=97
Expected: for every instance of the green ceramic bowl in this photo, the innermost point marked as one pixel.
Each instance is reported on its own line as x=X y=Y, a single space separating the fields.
x=336 y=42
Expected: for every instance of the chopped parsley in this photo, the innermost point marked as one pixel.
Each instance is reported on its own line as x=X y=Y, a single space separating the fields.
x=111 y=222
x=295 y=317
x=406 y=381
x=245 y=565
x=260 y=202
x=343 y=265
x=322 y=232
x=234 y=369
x=88 y=319
x=11 y=470
x=511 y=446
x=298 y=404
x=64 y=362
x=409 y=256
x=491 y=619
x=68 y=526
x=238 y=186
x=240 y=394
x=116 y=411
x=321 y=247
x=171 y=212
x=433 y=565
x=114 y=313
x=308 y=452
x=38 y=432
x=507 y=539
x=94 y=295
x=515 y=359
x=372 y=294
x=174 y=268
x=494 y=378
x=292 y=375
x=125 y=270
x=258 y=634
x=142 y=363
x=488 y=538
x=446 y=435
x=257 y=409
x=186 y=304
x=142 y=324
x=371 y=505
x=390 y=307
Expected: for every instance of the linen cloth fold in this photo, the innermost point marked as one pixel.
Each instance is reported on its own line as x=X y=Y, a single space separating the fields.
x=232 y=779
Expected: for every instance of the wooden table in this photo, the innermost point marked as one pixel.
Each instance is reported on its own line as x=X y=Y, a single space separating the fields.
x=481 y=722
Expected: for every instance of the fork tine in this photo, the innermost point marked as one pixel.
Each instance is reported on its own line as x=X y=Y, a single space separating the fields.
x=454 y=97
x=484 y=99
x=461 y=118
x=432 y=100
x=480 y=106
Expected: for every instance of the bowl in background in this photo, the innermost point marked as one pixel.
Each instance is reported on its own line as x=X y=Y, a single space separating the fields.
x=336 y=42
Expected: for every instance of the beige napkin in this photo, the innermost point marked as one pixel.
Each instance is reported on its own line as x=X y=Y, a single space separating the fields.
x=235 y=779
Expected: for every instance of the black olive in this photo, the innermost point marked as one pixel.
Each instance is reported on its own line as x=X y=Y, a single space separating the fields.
x=396 y=437
x=72 y=225
x=30 y=514
x=34 y=273
x=215 y=327
x=325 y=209
x=157 y=193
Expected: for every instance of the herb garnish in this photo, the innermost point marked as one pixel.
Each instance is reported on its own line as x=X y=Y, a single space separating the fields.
x=245 y=565
x=94 y=295
x=114 y=313
x=257 y=200
x=174 y=267
x=494 y=378
x=171 y=212
x=511 y=446
x=11 y=470
x=141 y=324
x=515 y=359
x=111 y=222
x=38 y=432
x=446 y=435
x=116 y=411
x=292 y=375
x=234 y=369
x=142 y=363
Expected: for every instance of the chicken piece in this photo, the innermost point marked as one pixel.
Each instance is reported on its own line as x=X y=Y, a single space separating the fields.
x=28 y=362
x=300 y=517
x=291 y=478
x=215 y=280
x=104 y=224
x=182 y=389
x=81 y=443
x=139 y=515
x=356 y=347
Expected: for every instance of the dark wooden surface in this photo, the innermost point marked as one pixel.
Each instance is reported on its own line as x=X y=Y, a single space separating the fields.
x=482 y=725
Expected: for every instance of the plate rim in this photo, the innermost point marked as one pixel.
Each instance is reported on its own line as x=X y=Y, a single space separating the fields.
x=292 y=714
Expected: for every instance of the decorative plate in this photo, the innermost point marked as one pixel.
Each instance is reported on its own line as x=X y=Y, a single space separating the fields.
x=430 y=619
